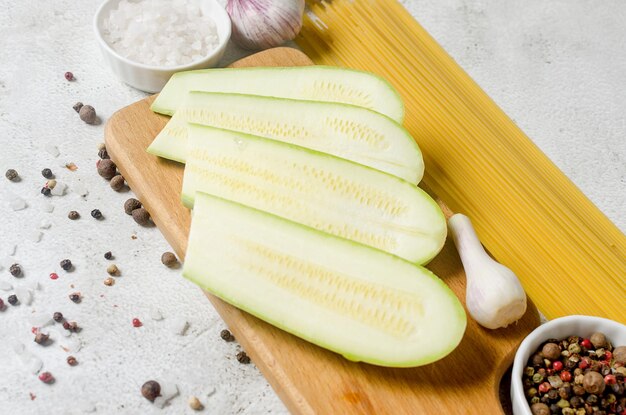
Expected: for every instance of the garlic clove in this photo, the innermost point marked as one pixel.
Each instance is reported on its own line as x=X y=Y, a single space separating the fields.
x=495 y=297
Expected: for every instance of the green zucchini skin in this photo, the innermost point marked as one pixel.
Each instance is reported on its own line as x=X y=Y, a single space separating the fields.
x=312 y=83
x=353 y=133
x=316 y=189
x=352 y=299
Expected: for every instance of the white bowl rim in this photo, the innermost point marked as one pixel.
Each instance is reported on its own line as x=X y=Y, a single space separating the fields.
x=105 y=45
x=542 y=332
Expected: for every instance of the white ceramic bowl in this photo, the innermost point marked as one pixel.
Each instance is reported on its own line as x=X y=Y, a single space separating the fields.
x=559 y=328
x=152 y=78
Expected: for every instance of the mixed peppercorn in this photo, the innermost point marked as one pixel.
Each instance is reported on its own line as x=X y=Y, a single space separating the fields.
x=576 y=376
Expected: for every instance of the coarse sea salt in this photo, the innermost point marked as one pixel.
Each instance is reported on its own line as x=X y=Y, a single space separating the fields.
x=161 y=33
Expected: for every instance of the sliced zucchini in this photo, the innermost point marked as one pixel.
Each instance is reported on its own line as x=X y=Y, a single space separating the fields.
x=314 y=83
x=316 y=189
x=346 y=131
x=346 y=297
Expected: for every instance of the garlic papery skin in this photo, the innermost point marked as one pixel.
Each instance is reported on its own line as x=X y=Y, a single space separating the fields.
x=263 y=24
x=495 y=297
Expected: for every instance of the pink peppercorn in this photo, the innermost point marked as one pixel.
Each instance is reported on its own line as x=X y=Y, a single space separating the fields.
x=566 y=376
x=586 y=343
x=69 y=76
x=610 y=380
x=545 y=387
x=137 y=322
x=584 y=363
x=608 y=356
x=558 y=365
x=54 y=275
x=46 y=377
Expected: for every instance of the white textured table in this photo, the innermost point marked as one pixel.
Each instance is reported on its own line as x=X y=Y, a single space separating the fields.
x=557 y=68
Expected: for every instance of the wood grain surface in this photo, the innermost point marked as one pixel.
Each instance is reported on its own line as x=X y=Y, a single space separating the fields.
x=311 y=380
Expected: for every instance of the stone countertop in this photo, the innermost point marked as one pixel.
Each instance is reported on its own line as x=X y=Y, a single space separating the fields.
x=557 y=68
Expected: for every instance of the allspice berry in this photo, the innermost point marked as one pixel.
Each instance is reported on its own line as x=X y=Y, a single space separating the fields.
x=130 y=205
x=169 y=259
x=551 y=351
x=151 y=390
x=77 y=106
x=540 y=409
x=73 y=215
x=117 y=183
x=141 y=216
x=619 y=354
x=593 y=382
x=598 y=340
x=87 y=113
x=106 y=168
x=41 y=338
x=243 y=358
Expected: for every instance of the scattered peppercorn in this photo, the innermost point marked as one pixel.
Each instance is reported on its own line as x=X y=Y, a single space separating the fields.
x=66 y=264
x=195 y=404
x=226 y=335
x=151 y=390
x=137 y=322
x=54 y=276
x=57 y=316
x=15 y=270
x=108 y=255
x=586 y=344
x=77 y=106
x=130 y=205
x=141 y=216
x=47 y=173
x=117 y=183
x=41 y=338
x=106 y=168
x=113 y=269
x=598 y=340
x=75 y=297
x=70 y=326
x=540 y=409
x=96 y=214
x=69 y=76
x=87 y=113
x=109 y=281
x=73 y=215
x=12 y=299
x=46 y=377
x=169 y=259
x=46 y=191
x=71 y=360
x=103 y=154
x=243 y=358
x=12 y=175
x=51 y=184
x=1 y=304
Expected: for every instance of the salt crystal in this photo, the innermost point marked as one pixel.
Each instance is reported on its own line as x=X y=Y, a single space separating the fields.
x=5 y=286
x=178 y=326
x=72 y=344
x=32 y=285
x=17 y=203
x=156 y=315
x=35 y=364
x=25 y=357
x=59 y=189
x=17 y=347
x=35 y=236
x=86 y=406
x=169 y=391
x=45 y=224
x=12 y=249
x=40 y=320
x=64 y=333
x=53 y=150
x=25 y=295
x=80 y=189
x=47 y=207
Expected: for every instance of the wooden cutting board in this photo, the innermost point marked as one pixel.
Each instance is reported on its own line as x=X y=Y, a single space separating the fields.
x=307 y=378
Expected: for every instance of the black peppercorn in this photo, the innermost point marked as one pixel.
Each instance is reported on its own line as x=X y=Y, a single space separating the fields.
x=103 y=154
x=57 y=316
x=12 y=175
x=227 y=335
x=15 y=270
x=12 y=299
x=553 y=394
x=46 y=191
x=66 y=264
x=73 y=215
x=576 y=401
x=77 y=106
x=96 y=214
x=108 y=255
x=47 y=173
x=243 y=358
x=151 y=390
x=75 y=297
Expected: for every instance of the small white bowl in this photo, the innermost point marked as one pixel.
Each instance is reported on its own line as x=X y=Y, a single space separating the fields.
x=560 y=328
x=152 y=78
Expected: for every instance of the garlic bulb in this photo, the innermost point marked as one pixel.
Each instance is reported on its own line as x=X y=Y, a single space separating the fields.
x=262 y=24
x=494 y=297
